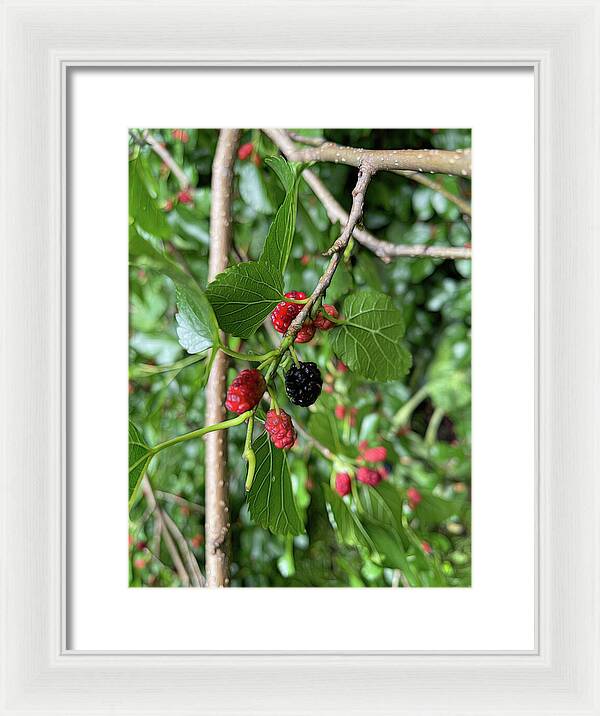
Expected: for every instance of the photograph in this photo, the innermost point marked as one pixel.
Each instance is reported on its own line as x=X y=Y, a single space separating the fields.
x=299 y=351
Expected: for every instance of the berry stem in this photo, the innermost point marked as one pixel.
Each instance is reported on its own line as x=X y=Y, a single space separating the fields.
x=403 y=415
x=355 y=496
x=249 y=455
x=251 y=357
x=294 y=355
x=146 y=369
x=433 y=427
x=337 y=321
x=238 y=420
x=299 y=301
x=274 y=403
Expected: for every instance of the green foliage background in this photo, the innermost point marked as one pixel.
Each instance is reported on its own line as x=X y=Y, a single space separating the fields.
x=434 y=297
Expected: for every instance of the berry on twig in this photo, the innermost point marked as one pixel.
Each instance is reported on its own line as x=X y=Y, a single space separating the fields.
x=245 y=151
x=342 y=483
x=303 y=383
x=280 y=429
x=245 y=391
x=284 y=312
x=186 y=196
x=307 y=332
x=368 y=476
x=414 y=497
x=322 y=323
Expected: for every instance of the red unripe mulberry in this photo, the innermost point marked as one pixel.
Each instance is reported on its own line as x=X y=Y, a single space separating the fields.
x=280 y=429
x=197 y=541
x=340 y=412
x=342 y=483
x=414 y=497
x=186 y=196
x=375 y=454
x=323 y=323
x=245 y=151
x=284 y=312
x=368 y=476
x=180 y=135
x=426 y=547
x=306 y=333
x=245 y=391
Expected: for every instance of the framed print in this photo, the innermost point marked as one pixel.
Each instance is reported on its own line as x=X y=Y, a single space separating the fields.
x=341 y=287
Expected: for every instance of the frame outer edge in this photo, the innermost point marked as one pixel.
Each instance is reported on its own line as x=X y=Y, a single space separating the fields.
x=36 y=675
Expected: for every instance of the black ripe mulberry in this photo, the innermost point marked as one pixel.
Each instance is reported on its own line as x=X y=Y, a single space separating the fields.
x=303 y=384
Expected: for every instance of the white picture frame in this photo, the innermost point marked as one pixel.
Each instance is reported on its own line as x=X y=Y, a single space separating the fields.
x=40 y=42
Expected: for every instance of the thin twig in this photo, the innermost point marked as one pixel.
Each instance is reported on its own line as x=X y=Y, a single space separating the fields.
x=182 y=573
x=358 y=203
x=185 y=551
x=325 y=451
x=464 y=206
x=384 y=250
x=164 y=154
x=309 y=141
x=181 y=501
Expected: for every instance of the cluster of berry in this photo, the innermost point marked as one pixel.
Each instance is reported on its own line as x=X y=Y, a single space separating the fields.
x=303 y=381
x=285 y=312
x=371 y=474
x=303 y=385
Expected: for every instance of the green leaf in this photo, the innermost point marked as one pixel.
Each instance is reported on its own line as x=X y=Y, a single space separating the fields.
x=433 y=510
x=244 y=295
x=142 y=207
x=142 y=253
x=287 y=172
x=347 y=524
x=389 y=545
x=278 y=243
x=139 y=458
x=383 y=503
x=323 y=426
x=340 y=284
x=252 y=188
x=369 y=340
x=449 y=376
x=198 y=329
x=196 y=324
x=270 y=500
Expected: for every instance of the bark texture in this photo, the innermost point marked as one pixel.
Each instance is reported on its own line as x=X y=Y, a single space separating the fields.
x=437 y=161
x=217 y=519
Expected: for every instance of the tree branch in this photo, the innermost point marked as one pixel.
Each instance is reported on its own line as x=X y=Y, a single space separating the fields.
x=384 y=250
x=463 y=205
x=434 y=161
x=216 y=501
